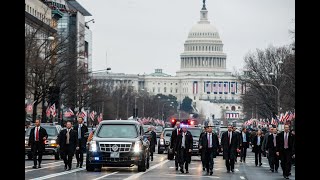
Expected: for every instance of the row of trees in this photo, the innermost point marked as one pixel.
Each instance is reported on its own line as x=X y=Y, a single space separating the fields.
x=268 y=72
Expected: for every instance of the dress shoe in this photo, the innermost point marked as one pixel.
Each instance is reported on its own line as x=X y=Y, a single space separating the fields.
x=276 y=170
x=181 y=170
x=240 y=160
x=187 y=171
x=176 y=168
x=260 y=164
x=287 y=177
x=34 y=167
x=271 y=170
x=77 y=164
x=232 y=170
x=289 y=174
x=151 y=158
x=80 y=166
x=228 y=171
x=203 y=169
x=69 y=169
x=211 y=172
x=39 y=166
x=65 y=167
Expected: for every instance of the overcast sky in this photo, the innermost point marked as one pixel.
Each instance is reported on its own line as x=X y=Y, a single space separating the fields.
x=139 y=36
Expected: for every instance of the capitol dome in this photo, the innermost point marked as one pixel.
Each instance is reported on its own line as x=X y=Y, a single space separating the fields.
x=203 y=49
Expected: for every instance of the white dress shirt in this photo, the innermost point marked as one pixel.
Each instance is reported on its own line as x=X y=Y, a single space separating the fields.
x=230 y=135
x=183 y=140
x=258 y=140
x=244 y=137
x=210 y=142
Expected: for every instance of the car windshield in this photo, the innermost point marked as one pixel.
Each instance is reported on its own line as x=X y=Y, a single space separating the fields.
x=195 y=132
x=159 y=129
x=117 y=131
x=168 y=133
x=51 y=130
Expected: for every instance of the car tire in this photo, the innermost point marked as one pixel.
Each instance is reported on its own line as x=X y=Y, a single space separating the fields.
x=160 y=152
x=97 y=168
x=143 y=166
x=57 y=156
x=89 y=167
x=30 y=156
x=170 y=156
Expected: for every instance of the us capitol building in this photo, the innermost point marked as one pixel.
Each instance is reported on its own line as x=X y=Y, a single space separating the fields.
x=202 y=76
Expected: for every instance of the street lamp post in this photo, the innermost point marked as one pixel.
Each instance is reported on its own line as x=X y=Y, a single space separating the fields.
x=277 y=96
x=158 y=106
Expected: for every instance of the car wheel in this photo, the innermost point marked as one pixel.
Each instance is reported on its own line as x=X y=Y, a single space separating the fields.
x=159 y=151
x=29 y=156
x=170 y=156
x=89 y=167
x=97 y=168
x=57 y=156
x=143 y=166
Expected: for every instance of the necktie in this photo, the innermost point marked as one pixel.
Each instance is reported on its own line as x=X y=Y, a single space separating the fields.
x=183 y=140
x=286 y=141
x=79 y=132
x=68 y=136
x=229 y=138
x=209 y=141
x=37 y=134
x=274 y=140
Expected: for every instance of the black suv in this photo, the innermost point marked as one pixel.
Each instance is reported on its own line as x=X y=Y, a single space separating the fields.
x=51 y=143
x=118 y=143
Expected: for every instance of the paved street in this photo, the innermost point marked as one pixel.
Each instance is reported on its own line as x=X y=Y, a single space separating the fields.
x=160 y=168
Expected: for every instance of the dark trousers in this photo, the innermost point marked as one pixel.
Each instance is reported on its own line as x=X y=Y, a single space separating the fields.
x=243 y=153
x=37 y=151
x=286 y=161
x=274 y=159
x=209 y=154
x=203 y=158
x=257 y=154
x=176 y=159
x=67 y=155
x=229 y=162
x=79 y=153
x=183 y=158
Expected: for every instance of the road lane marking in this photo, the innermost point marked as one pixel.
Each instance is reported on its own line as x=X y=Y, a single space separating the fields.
x=105 y=175
x=135 y=176
x=58 y=174
x=188 y=175
x=42 y=168
x=45 y=164
x=241 y=177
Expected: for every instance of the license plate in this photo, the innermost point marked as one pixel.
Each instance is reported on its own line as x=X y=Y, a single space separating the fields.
x=115 y=155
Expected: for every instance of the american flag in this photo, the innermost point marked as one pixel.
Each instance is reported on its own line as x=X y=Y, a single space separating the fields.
x=285 y=116
x=290 y=117
x=48 y=112
x=53 y=110
x=29 y=107
x=71 y=112
x=226 y=87
x=92 y=115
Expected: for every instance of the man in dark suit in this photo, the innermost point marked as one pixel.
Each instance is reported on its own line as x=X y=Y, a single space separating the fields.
x=184 y=148
x=209 y=145
x=244 y=144
x=234 y=130
x=153 y=141
x=230 y=147
x=173 y=143
x=256 y=145
x=285 y=150
x=68 y=142
x=81 y=129
x=271 y=151
x=265 y=142
x=37 y=139
x=202 y=154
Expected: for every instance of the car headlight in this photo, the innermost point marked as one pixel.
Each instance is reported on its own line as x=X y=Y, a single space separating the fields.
x=137 y=147
x=161 y=142
x=53 y=141
x=25 y=142
x=93 y=146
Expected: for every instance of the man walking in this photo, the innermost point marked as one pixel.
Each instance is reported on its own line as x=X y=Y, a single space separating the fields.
x=173 y=143
x=271 y=151
x=37 y=139
x=209 y=145
x=234 y=130
x=244 y=144
x=184 y=148
x=153 y=141
x=256 y=145
x=202 y=154
x=285 y=149
x=81 y=129
x=68 y=142
x=230 y=146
